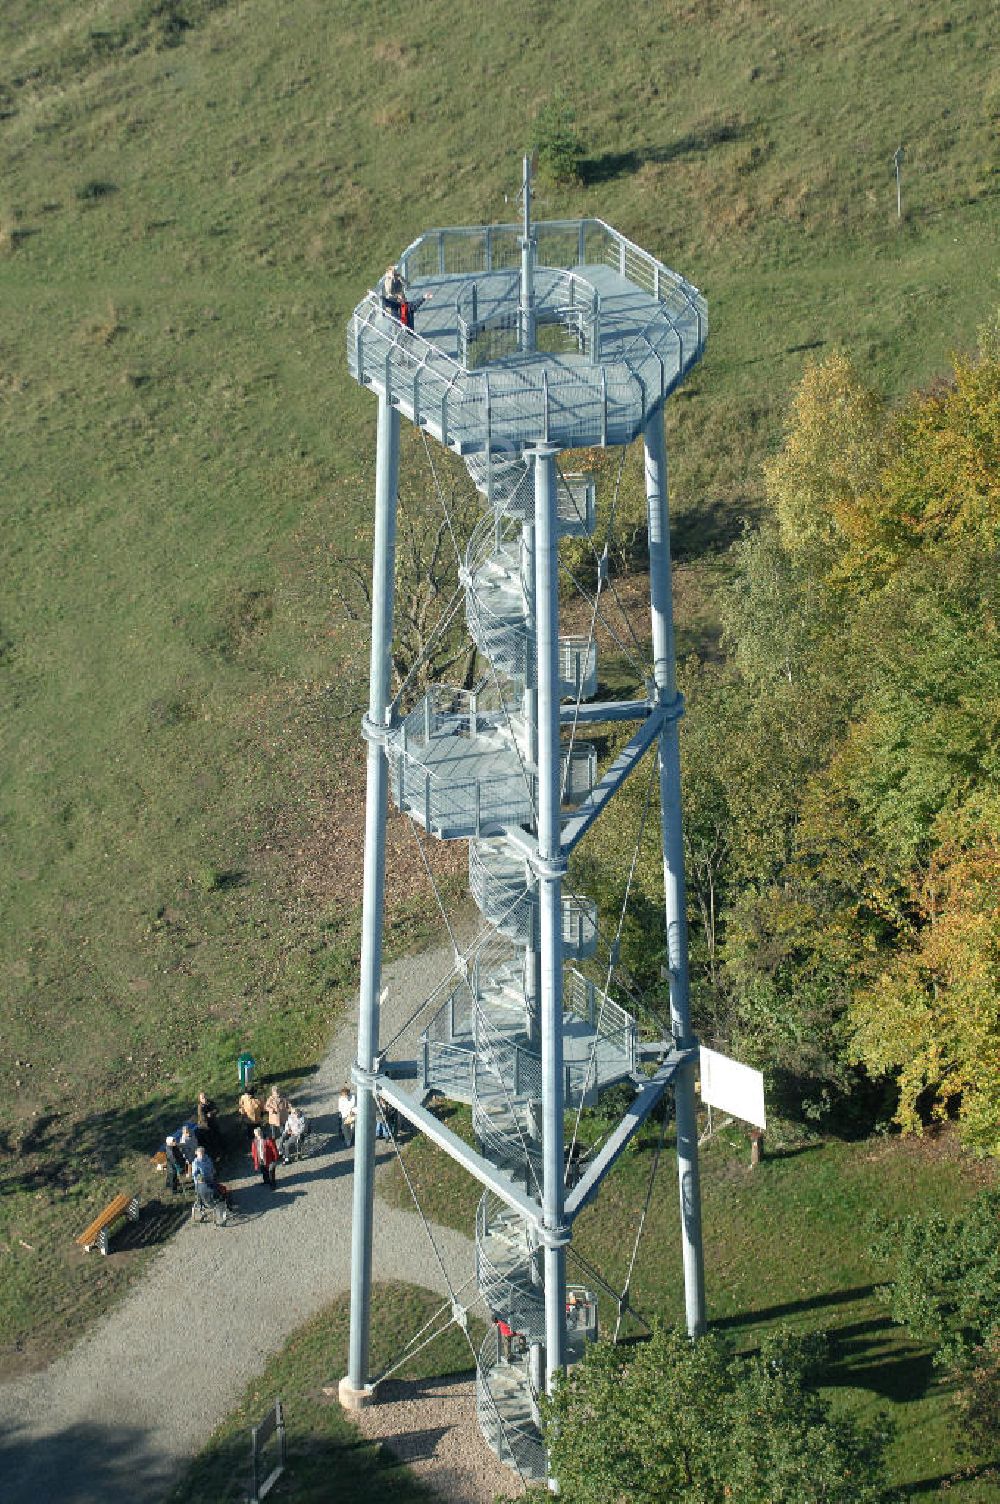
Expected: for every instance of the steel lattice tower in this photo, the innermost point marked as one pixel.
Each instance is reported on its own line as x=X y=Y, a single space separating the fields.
x=523 y=1036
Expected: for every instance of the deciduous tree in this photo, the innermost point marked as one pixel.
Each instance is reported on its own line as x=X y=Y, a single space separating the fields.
x=685 y=1421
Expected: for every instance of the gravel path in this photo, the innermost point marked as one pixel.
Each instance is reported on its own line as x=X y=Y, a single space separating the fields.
x=114 y=1420
x=432 y=1427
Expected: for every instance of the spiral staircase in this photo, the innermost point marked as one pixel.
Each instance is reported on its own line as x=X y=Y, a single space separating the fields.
x=461 y=765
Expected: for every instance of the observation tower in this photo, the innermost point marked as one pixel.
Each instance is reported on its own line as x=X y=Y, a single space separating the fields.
x=525 y=341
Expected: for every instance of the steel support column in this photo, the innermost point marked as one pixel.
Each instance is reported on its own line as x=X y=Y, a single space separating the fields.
x=661 y=603
x=352 y=1389
x=550 y=869
x=530 y=703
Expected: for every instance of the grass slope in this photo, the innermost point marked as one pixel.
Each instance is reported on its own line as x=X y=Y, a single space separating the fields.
x=193 y=196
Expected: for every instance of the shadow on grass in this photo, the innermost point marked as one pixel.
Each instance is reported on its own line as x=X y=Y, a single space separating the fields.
x=710 y=528
x=987 y=1473
x=794 y=1151
x=60 y=1150
x=361 y=1468
x=616 y=164
x=872 y=1355
x=828 y=1301
x=158 y=1221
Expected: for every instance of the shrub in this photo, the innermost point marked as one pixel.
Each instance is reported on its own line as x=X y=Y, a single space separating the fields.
x=560 y=149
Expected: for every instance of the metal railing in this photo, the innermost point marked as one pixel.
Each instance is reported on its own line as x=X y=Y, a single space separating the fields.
x=445 y=799
x=480 y=409
x=576 y=504
x=579 y=927
x=565 y=244
x=514 y=1436
x=502 y=1133
x=505 y=896
x=475 y=410
x=502 y=888
x=488 y=314
x=616 y=1028
x=496 y=607
x=509 y=484
x=434 y=758
x=503 y=1268
x=577 y=668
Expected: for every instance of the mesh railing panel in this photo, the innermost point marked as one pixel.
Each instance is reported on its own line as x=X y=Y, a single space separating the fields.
x=453 y=1021
x=577 y=668
x=503 y=1268
x=501 y=888
x=578 y=771
x=450 y=1070
x=579 y=927
x=515 y=1442
x=576 y=504
x=616 y=1028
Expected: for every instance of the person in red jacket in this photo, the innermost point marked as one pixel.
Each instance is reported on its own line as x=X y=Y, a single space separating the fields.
x=264 y=1153
x=505 y=1338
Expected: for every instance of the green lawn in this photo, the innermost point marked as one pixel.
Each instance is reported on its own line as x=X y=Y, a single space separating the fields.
x=193 y=196
x=785 y=1244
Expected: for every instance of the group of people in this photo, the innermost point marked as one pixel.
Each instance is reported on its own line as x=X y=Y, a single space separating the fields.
x=396 y=298
x=274 y=1129
x=189 y=1151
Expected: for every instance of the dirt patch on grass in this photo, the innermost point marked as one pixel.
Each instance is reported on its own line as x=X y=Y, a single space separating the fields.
x=938 y=1144
x=317 y=838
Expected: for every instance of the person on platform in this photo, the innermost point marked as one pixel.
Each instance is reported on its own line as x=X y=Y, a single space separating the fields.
x=397 y=299
x=392 y=290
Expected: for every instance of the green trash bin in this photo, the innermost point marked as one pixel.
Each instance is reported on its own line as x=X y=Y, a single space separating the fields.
x=245 y=1065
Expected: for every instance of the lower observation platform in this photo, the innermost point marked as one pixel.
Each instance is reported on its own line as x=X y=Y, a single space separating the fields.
x=615 y=332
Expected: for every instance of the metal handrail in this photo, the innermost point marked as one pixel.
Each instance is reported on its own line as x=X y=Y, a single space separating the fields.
x=567 y=299
x=589 y=1003
x=641 y=267
x=522 y=1446
x=508 y=1290
x=460 y=402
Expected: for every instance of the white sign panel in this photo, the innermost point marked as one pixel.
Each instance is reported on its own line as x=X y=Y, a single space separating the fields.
x=732 y=1087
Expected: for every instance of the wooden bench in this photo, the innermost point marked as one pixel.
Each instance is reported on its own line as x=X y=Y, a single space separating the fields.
x=103 y=1228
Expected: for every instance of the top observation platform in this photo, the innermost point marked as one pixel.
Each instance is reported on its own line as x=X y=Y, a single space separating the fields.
x=614 y=332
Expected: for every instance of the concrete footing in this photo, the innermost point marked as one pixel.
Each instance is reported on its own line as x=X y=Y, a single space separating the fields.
x=354 y=1399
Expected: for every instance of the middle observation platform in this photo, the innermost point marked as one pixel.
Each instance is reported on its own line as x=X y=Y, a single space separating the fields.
x=615 y=331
